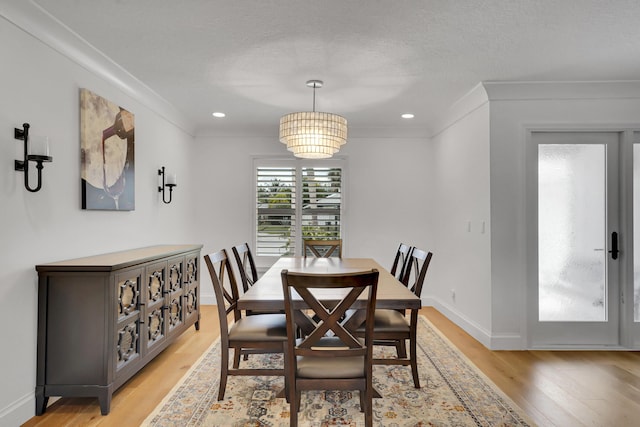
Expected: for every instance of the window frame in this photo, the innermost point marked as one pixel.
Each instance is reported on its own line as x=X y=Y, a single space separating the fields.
x=298 y=164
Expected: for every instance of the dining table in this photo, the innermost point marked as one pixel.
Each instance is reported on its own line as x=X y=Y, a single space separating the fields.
x=266 y=294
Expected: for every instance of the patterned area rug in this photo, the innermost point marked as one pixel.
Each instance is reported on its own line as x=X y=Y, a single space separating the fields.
x=454 y=393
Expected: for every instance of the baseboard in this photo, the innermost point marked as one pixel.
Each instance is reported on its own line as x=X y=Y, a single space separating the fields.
x=207 y=300
x=19 y=412
x=491 y=341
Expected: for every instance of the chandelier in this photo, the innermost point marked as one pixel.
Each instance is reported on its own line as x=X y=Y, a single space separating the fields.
x=312 y=134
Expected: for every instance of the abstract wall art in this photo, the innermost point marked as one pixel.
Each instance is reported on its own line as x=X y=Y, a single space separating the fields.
x=107 y=154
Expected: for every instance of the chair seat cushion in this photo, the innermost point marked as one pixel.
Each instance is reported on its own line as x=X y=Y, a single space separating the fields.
x=262 y=327
x=330 y=367
x=388 y=321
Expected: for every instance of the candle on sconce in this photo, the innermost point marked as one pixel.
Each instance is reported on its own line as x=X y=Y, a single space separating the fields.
x=172 y=179
x=39 y=146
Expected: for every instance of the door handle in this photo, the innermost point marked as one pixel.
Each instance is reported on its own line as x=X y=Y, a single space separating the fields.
x=614 y=245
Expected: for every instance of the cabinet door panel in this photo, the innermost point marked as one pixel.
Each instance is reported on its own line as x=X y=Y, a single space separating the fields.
x=127 y=344
x=191 y=303
x=192 y=289
x=155 y=327
x=155 y=283
x=191 y=276
x=128 y=309
x=154 y=330
x=176 y=267
x=176 y=313
x=128 y=295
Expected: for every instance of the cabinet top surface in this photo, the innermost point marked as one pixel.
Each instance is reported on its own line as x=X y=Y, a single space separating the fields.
x=117 y=260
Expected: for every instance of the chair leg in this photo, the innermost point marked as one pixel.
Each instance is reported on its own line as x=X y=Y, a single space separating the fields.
x=368 y=406
x=414 y=360
x=294 y=406
x=224 y=370
x=287 y=385
x=401 y=349
x=236 y=357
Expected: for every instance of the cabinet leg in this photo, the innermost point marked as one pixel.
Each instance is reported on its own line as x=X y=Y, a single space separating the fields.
x=104 y=397
x=41 y=400
x=197 y=323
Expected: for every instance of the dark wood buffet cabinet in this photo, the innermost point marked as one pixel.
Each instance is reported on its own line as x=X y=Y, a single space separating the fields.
x=102 y=318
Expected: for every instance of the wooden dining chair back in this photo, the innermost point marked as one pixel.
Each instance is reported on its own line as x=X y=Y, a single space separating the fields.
x=393 y=328
x=246 y=265
x=224 y=286
x=322 y=248
x=329 y=356
x=416 y=270
x=400 y=261
x=248 y=275
x=264 y=333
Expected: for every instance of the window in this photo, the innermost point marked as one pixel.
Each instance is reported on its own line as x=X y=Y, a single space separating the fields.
x=296 y=200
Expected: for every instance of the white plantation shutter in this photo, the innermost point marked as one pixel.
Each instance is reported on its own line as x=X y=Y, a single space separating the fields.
x=321 y=202
x=295 y=201
x=276 y=211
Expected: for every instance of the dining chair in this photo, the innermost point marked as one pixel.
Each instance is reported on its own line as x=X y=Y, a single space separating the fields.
x=392 y=328
x=246 y=265
x=400 y=261
x=248 y=276
x=264 y=333
x=328 y=356
x=322 y=248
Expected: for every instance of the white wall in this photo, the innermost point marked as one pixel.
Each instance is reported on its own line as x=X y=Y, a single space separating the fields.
x=388 y=196
x=461 y=219
x=41 y=86
x=478 y=160
x=514 y=109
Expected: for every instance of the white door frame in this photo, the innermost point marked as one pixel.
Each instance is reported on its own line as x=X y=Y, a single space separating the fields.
x=629 y=331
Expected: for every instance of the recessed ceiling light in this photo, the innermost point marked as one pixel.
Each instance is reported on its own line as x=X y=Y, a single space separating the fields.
x=218 y=114
x=407 y=116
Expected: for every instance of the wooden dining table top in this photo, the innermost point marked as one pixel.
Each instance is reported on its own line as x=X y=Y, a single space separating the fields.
x=267 y=294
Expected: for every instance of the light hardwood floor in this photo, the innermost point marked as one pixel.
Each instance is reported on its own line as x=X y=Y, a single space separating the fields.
x=556 y=388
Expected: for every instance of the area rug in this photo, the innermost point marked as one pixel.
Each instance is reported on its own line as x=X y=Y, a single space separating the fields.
x=454 y=393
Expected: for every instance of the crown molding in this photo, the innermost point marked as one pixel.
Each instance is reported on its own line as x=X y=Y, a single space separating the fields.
x=491 y=91
x=37 y=22
x=468 y=103
x=512 y=91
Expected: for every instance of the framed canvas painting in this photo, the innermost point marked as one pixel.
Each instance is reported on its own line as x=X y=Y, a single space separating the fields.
x=107 y=154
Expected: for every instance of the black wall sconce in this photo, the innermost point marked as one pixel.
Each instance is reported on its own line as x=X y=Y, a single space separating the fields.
x=168 y=181
x=39 y=156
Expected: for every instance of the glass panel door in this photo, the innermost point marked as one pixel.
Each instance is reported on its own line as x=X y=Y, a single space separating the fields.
x=577 y=294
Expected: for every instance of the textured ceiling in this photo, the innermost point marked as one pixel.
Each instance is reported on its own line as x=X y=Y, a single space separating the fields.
x=378 y=59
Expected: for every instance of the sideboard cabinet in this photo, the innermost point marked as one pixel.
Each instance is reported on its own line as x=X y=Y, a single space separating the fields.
x=102 y=318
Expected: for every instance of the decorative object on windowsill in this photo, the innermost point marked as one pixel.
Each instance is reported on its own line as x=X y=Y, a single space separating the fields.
x=169 y=180
x=37 y=152
x=312 y=134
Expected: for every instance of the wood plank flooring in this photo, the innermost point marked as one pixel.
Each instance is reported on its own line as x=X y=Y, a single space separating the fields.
x=556 y=388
